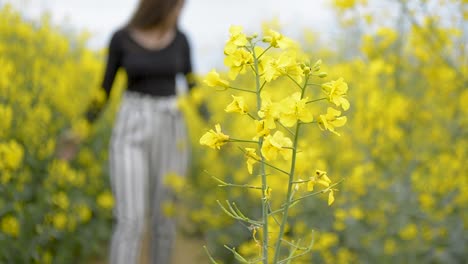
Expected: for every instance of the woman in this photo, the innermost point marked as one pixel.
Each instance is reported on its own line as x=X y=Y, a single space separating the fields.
x=149 y=137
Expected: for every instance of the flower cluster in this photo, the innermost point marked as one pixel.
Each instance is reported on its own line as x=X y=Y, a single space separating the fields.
x=270 y=120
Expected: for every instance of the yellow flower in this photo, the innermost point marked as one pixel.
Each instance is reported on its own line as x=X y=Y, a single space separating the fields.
x=59 y=221
x=321 y=178
x=84 y=212
x=168 y=208
x=98 y=97
x=252 y=158
x=331 y=198
x=261 y=129
x=331 y=120
x=213 y=79
x=268 y=68
x=294 y=109
x=5 y=178
x=356 y=212
x=278 y=143
x=286 y=64
x=47 y=257
x=345 y=4
x=238 y=61
x=277 y=40
x=269 y=111
x=409 y=232
x=10 y=226
x=61 y=200
x=336 y=92
x=237 y=105
x=6 y=115
x=390 y=247
x=326 y=240
x=175 y=182
x=81 y=128
x=105 y=200
x=237 y=39
x=11 y=155
x=214 y=139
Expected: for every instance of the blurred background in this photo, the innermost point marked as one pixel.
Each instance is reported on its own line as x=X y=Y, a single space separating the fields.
x=205 y=22
x=403 y=152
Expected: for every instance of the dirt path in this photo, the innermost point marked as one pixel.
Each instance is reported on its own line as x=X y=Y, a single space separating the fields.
x=189 y=251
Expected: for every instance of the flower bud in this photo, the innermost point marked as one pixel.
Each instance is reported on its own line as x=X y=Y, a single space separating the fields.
x=266 y=39
x=323 y=75
x=253 y=36
x=317 y=65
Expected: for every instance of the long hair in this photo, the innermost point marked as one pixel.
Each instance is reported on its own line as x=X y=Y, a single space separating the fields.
x=153 y=13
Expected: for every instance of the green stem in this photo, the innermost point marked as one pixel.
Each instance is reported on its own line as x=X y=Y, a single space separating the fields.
x=209 y=256
x=295 y=201
x=242 y=140
x=274 y=167
x=240 y=89
x=292 y=256
x=288 y=197
x=293 y=148
x=262 y=168
x=287 y=129
x=264 y=52
x=288 y=259
x=301 y=181
x=298 y=85
x=263 y=162
x=276 y=211
x=290 y=185
x=263 y=85
x=316 y=100
x=241 y=186
x=274 y=218
x=317 y=192
x=295 y=246
x=237 y=255
x=251 y=116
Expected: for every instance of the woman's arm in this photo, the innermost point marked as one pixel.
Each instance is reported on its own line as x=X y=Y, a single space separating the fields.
x=114 y=58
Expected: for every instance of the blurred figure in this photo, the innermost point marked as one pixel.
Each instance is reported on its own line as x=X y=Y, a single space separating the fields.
x=149 y=137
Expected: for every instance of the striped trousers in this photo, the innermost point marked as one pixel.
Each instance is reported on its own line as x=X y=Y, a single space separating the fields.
x=148 y=141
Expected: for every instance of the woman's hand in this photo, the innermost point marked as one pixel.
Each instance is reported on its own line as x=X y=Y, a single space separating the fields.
x=203 y=111
x=68 y=145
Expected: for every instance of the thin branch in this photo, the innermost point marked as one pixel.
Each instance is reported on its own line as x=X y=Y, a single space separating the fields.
x=298 y=85
x=242 y=140
x=209 y=256
x=274 y=167
x=235 y=215
x=318 y=192
x=261 y=88
x=316 y=100
x=251 y=116
x=240 y=89
x=274 y=218
x=264 y=52
x=287 y=129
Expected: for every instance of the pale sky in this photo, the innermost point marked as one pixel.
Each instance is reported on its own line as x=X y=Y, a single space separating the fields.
x=206 y=22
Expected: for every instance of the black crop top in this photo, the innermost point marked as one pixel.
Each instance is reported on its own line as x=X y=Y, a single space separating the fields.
x=149 y=71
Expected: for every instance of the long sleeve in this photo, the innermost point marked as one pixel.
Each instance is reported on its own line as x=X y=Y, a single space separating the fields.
x=114 y=59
